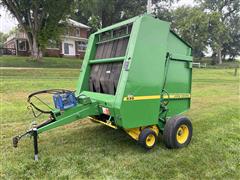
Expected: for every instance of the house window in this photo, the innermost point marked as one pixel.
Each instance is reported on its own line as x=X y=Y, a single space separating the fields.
x=22 y=45
x=78 y=32
x=81 y=45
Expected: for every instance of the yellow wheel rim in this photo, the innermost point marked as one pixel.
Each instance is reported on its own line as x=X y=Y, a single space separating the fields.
x=150 y=140
x=182 y=134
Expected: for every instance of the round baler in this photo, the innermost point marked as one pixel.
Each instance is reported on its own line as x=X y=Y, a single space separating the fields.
x=136 y=76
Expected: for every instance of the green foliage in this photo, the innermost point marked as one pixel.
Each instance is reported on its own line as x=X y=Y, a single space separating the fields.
x=56 y=12
x=211 y=23
x=3 y=38
x=218 y=32
x=85 y=150
x=226 y=8
x=163 y=9
x=94 y=23
x=232 y=48
x=102 y=13
x=225 y=19
x=192 y=25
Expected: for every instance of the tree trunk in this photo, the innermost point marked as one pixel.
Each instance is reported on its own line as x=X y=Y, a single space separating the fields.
x=36 y=52
x=224 y=56
x=219 y=55
x=214 y=57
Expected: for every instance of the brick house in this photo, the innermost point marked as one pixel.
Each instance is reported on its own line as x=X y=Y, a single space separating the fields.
x=72 y=43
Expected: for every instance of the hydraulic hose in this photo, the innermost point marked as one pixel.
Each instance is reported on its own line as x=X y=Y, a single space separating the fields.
x=47 y=91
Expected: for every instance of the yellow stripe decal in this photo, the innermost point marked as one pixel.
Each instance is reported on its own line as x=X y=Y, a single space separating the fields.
x=171 y=96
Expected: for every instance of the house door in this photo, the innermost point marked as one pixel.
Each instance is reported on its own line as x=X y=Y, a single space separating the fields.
x=69 y=49
x=66 y=48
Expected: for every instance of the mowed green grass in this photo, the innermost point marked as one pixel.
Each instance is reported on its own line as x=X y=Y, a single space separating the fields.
x=46 y=62
x=85 y=150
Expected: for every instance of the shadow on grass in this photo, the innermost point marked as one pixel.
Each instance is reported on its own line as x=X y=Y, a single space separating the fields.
x=95 y=138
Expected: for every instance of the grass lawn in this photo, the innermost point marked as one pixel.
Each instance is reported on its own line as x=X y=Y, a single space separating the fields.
x=46 y=62
x=85 y=150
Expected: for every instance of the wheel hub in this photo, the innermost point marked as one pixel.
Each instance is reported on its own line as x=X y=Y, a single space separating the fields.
x=150 y=140
x=182 y=134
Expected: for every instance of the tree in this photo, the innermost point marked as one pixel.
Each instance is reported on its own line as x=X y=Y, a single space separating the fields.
x=39 y=19
x=225 y=14
x=106 y=12
x=218 y=35
x=98 y=14
x=192 y=25
x=163 y=9
x=3 y=38
x=232 y=48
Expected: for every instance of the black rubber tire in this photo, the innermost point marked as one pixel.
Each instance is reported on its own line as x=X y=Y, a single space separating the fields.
x=143 y=136
x=170 y=131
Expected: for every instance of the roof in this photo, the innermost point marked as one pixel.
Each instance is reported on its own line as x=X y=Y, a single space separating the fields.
x=76 y=24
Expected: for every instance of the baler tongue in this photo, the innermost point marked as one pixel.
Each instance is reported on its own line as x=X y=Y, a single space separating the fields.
x=30 y=132
x=16 y=139
x=68 y=109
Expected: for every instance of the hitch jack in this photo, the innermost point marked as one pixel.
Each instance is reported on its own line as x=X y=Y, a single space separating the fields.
x=32 y=132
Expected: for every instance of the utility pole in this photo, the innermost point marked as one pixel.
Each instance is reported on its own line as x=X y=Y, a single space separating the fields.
x=149 y=7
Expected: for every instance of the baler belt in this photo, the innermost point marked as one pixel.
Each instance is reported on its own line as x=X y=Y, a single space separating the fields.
x=104 y=77
x=111 y=49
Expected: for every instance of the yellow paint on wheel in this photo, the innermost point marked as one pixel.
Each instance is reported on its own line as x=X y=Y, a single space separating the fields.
x=182 y=134
x=150 y=140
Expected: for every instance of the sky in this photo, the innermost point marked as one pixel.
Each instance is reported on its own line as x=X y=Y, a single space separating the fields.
x=7 y=22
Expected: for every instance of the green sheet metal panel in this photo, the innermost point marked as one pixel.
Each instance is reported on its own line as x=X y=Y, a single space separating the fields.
x=178 y=82
x=142 y=72
x=176 y=45
x=179 y=76
x=83 y=81
x=145 y=74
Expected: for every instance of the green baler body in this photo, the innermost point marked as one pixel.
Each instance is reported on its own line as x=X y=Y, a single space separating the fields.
x=152 y=55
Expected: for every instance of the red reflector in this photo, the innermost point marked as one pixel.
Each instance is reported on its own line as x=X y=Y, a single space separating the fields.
x=105 y=111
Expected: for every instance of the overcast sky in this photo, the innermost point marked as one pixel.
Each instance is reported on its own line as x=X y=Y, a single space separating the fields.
x=7 y=22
